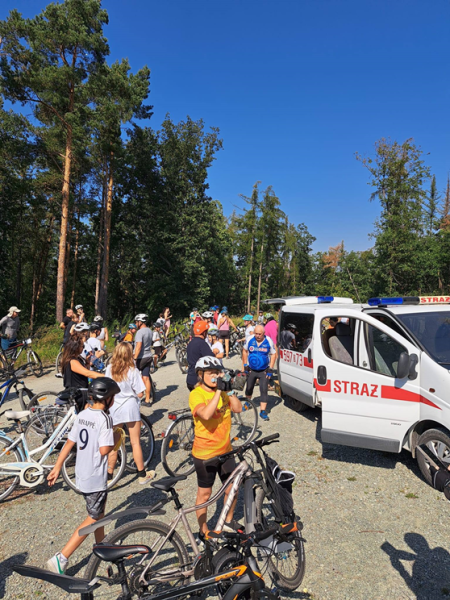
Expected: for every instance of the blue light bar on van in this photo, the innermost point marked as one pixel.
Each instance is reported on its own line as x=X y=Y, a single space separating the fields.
x=324 y=299
x=395 y=301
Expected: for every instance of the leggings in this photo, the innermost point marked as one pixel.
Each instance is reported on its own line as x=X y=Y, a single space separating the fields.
x=263 y=384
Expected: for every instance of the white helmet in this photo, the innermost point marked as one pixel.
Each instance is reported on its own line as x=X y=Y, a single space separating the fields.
x=78 y=306
x=98 y=319
x=81 y=327
x=213 y=330
x=208 y=362
x=208 y=314
x=141 y=317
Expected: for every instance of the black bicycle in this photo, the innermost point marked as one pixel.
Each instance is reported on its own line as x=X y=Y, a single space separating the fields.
x=9 y=357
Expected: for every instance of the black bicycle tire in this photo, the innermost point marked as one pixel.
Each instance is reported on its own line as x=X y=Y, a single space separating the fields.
x=129 y=467
x=34 y=402
x=165 y=444
x=181 y=362
x=15 y=483
x=25 y=405
x=57 y=361
x=111 y=483
x=118 y=534
x=39 y=371
x=280 y=581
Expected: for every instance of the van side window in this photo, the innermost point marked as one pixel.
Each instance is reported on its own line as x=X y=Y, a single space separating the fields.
x=384 y=352
x=296 y=331
x=389 y=322
x=338 y=338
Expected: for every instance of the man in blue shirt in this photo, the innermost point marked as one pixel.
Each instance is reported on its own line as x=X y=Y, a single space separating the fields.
x=258 y=357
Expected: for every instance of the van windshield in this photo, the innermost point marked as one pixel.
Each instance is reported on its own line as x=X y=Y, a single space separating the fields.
x=432 y=329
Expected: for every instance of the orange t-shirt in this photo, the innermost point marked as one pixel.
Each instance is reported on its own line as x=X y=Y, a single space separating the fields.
x=212 y=437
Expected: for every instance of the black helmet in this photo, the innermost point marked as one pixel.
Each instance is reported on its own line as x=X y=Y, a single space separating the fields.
x=103 y=388
x=94 y=327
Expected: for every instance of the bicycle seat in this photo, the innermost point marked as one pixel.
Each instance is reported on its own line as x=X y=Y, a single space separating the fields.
x=115 y=553
x=166 y=483
x=15 y=415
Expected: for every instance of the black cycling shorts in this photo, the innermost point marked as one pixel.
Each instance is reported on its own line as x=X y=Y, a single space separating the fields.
x=253 y=376
x=224 y=334
x=206 y=475
x=95 y=504
x=143 y=364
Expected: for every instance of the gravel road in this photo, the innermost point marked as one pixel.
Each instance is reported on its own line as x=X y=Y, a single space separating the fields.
x=374 y=530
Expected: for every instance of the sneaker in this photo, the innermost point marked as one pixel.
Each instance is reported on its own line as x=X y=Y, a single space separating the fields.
x=58 y=564
x=263 y=415
x=233 y=526
x=148 y=404
x=148 y=477
x=58 y=375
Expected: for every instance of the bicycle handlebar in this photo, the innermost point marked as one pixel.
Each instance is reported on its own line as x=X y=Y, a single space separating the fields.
x=259 y=443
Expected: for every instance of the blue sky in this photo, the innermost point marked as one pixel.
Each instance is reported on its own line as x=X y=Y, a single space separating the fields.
x=296 y=88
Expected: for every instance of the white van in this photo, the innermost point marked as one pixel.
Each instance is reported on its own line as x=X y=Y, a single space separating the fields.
x=379 y=371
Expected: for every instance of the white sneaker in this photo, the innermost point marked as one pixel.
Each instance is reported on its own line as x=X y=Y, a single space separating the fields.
x=58 y=564
x=148 y=477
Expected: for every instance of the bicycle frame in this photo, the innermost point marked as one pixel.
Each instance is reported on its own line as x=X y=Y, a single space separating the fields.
x=8 y=385
x=38 y=467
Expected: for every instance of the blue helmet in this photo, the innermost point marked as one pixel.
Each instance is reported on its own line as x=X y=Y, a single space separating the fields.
x=247 y=317
x=132 y=326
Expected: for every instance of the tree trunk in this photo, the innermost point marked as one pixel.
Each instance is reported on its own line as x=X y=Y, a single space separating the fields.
x=259 y=279
x=60 y=288
x=103 y=304
x=249 y=293
x=75 y=258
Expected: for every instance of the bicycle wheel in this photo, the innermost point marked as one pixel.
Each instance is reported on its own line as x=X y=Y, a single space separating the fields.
x=39 y=429
x=147 y=445
x=176 y=449
x=35 y=363
x=287 y=567
x=57 y=364
x=68 y=469
x=41 y=400
x=8 y=482
x=25 y=398
x=171 y=557
x=244 y=424
x=182 y=361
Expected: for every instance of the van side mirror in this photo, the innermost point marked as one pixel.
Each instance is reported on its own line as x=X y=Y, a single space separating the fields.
x=403 y=365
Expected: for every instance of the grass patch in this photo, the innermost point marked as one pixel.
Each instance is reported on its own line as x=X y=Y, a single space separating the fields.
x=410 y=495
x=312 y=453
x=351 y=478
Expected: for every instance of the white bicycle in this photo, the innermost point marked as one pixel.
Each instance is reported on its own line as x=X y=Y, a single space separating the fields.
x=21 y=464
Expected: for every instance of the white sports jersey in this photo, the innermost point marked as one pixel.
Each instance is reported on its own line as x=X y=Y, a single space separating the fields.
x=92 y=430
x=217 y=346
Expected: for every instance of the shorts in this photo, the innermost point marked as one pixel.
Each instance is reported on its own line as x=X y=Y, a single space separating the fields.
x=224 y=334
x=143 y=364
x=157 y=350
x=206 y=475
x=253 y=376
x=95 y=503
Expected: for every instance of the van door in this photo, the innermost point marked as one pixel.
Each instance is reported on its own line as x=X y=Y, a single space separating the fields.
x=364 y=403
x=295 y=365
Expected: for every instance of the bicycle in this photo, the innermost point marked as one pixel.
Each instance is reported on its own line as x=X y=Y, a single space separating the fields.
x=13 y=382
x=17 y=463
x=235 y=578
x=12 y=354
x=170 y=561
x=178 y=439
x=58 y=361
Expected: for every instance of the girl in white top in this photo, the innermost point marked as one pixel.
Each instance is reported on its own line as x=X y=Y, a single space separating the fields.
x=215 y=343
x=125 y=409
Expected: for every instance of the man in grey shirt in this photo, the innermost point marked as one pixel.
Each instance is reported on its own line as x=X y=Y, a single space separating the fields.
x=10 y=326
x=143 y=341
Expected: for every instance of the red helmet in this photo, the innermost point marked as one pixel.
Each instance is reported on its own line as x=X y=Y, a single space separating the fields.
x=200 y=327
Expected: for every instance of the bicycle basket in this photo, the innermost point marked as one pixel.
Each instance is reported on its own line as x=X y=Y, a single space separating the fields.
x=240 y=380
x=283 y=481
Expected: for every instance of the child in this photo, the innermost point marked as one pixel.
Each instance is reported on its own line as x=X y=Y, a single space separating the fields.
x=94 y=347
x=93 y=434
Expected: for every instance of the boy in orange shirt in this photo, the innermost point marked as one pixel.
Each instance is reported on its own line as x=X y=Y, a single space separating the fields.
x=211 y=408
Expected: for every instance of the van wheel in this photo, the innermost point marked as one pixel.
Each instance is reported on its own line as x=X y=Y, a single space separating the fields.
x=295 y=404
x=436 y=444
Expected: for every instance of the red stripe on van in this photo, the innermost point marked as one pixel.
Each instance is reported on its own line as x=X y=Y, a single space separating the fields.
x=306 y=362
x=393 y=393
x=323 y=388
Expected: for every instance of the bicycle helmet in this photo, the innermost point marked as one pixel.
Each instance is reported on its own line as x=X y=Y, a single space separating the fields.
x=268 y=316
x=247 y=317
x=213 y=331
x=225 y=308
x=224 y=311
x=94 y=327
x=157 y=325
x=142 y=317
x=200 y=327
x=98 y=319
x=80 y=327
x=103 y=388
x=208 y=362
x=208 y=314
x=78 y=306
x=290 y=326
x=132 y=326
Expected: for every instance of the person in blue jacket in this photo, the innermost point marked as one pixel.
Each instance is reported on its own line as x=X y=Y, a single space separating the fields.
x=258 y=356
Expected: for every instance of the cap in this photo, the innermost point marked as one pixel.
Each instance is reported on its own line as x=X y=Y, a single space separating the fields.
x=14 y=309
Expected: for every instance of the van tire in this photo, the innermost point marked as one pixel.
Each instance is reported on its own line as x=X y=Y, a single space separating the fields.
x=436 y=443
x=296 y=405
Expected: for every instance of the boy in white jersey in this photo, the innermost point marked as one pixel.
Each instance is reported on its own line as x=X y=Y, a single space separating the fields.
x=94 y=437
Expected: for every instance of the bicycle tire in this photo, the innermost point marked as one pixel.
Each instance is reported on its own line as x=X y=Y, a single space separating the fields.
x=276 y=562
x=176 y=449
x=25 y=398
x=35 y=363
x=182 y=361
x=8 y=483
x=139 y=532
x=244 y=424
x=148 y=447
x=68 y=469
x=57 y=362
x=41 y=400
x=40 y=427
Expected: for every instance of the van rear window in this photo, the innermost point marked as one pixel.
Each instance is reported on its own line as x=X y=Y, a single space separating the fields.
x=296 y=331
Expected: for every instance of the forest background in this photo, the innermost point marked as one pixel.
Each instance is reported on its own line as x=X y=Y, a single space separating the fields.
x=99 y=208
